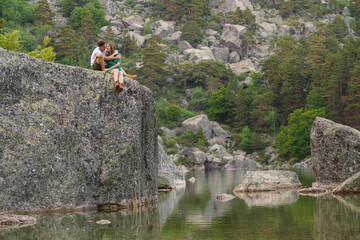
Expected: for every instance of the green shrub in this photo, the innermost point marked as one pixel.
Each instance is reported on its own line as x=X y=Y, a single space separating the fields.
x=169 y=143
x=183 y=161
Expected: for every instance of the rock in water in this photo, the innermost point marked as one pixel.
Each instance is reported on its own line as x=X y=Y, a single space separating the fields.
x=103 y=222
x=192 y=180
x=335 y=152
x=67 y=139
x=169 y=174
x=257 y=181
x=224 y=197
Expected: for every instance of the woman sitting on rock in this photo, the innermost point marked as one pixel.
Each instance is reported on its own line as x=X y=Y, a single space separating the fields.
x=114 y=67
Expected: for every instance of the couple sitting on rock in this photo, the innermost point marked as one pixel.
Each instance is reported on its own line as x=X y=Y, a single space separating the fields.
x=107 y=54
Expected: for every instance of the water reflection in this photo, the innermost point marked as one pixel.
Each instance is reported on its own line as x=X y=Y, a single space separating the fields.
x=337 y=217
x=194 y=213
x=269 y=199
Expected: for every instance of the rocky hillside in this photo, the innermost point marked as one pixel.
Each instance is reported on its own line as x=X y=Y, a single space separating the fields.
x=67 y=139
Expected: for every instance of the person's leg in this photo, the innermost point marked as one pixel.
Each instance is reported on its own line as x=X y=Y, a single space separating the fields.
x=128 y=75
x=115 y=72
x=121 y=81
x=100 y=60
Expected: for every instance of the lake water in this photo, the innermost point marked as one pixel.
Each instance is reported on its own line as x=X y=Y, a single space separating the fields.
x=194 y=213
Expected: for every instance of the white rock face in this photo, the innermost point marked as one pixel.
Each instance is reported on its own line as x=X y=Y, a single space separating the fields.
x=174 y=38
x=140 y=40
x=241 y=67
x=196 y=122
x=286 y=30
x=232 y=37
x=128 y=21
x=221 y=54
x=268 y=29
x=234 y=57
x=164 y=28
x=184 y=45
x=231 y=5
x=204 y=54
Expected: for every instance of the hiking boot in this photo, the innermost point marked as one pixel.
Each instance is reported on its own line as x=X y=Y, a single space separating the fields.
x=117 y=86
x=121 y=87
x=131 y=76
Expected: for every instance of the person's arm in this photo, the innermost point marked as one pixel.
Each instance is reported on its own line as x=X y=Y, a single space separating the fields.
x=113 y=56
x=116 y=65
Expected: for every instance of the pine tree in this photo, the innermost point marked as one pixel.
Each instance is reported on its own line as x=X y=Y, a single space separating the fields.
x=88 y=29
x=1 y=24
x=193 y=33
x=109 y=35
x=352 y=109
x=67 y=45
x=153 y=70
x=338 y=26
x=43 y=14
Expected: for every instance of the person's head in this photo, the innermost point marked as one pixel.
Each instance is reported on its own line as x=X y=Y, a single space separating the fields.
x=101 y=45
x=110 y=48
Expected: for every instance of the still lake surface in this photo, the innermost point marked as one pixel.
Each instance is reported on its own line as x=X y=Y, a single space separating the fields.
x=194 y=213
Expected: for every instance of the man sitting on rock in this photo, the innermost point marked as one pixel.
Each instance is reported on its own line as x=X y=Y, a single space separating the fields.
x=98 y=58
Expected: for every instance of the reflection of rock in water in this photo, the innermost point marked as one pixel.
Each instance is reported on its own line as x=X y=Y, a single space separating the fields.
x=167 y=202
x=337 y=218
x=269 y=199
x=142 y=223
x=10 y=221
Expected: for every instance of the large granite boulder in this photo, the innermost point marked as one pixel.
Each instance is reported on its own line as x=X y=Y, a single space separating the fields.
x=335 y=152
x=68 y=139
x=164 y=28
x=241 y=162
x=267 y=29
x=133 y=20
x=245 y=66
x=221 y=54
x=195 y=155
x=184 y=45
x=232 y=37
x=197 y=122
x=231 y=5
x=204 y=54
x=258 y=181
x=169 y=174
x=174 y=38
x=140 y=40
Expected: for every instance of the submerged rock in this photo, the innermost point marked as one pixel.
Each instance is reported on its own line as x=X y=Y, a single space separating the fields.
x=257 y=181
x=335 y=152
x=224 y=197
x=313 y=191
x=67 y=139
